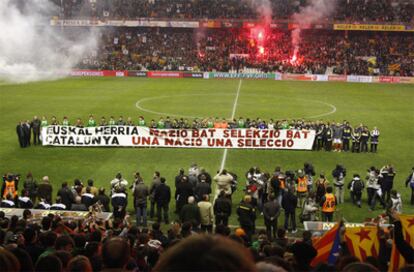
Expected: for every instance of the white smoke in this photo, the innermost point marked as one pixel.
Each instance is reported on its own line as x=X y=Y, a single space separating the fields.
x=314 y=12
x=30 y=49
x=263 y=8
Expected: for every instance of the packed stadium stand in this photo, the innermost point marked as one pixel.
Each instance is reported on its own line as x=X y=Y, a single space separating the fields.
x=321 y=51
x=347 y=10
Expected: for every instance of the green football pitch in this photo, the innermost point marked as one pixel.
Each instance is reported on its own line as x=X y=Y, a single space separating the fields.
x=390 y=107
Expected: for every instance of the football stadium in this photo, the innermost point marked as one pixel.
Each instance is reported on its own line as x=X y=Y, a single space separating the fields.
x=207 y=135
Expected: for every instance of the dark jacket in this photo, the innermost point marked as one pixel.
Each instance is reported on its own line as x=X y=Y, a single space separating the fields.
x=289 y=202
x=104 y=200
x=387 y=180
x=190 y=212
x=271 y=210
x=66 y=196
x=184 y=190
x=45 y=191
x=119 y=200
x=25 y=203
x=162 y=194
x=141 y=194
x=202 y=188
x=247 y=214
x=30 y=185
x=222 y=206
x=35 y=124
x=88 y=199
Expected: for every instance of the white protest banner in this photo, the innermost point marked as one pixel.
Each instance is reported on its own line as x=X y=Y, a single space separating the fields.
x=188 y=138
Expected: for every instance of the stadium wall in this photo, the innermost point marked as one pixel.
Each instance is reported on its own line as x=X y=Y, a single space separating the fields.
x=222 y=75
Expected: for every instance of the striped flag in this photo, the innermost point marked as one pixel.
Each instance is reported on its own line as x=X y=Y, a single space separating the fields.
x=362 y=241
x=394 y=67
x=397 y=261
x=327 y=247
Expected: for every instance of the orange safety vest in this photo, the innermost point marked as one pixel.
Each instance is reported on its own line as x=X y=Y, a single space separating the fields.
x=282 y=184
x=223 y=125
x=10 y=189
x=217 y=125
x=302 y=185
x=329 y=204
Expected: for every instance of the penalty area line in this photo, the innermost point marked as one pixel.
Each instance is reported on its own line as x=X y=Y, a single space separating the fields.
x=233 y=113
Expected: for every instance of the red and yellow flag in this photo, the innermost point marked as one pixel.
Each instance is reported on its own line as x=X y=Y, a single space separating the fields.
x=397 y=261
x=362 y=241
x=327 y=247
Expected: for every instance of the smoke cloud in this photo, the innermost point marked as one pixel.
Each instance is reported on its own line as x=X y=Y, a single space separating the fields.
x=263 y=8
x=32 y=50
x=314 y=12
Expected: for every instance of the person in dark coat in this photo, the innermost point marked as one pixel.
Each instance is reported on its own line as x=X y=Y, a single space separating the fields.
x=45 y=189
x=27 y=133
x=88 y=198
x=30 y=185
x=119 y=203
x=387 y=175
x=289 y=204
x=24 y=201
x=66 y=195
x=271 y=211
x=190 y=213
x=103 y=200
x=303 y=255
x=141 y=193
x=204 y=175
x=222 y=209
x=247 y=216
x=184 y=190
x=8 y=202
x=202 y=188
x=20 y=134
x=58 y=206
x=162 y=197
x=179 y=177
x=35 y=125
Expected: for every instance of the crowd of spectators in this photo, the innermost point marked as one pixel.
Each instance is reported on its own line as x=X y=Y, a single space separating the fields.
x=53 y=243
x=319 y=51
x=345 y=10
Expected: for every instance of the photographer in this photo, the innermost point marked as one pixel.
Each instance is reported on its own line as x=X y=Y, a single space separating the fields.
x=9 y=187
x=356 y=186
x=224 y=181
x=309 y=209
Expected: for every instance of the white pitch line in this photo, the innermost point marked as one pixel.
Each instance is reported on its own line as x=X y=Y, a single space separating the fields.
x=233 y=113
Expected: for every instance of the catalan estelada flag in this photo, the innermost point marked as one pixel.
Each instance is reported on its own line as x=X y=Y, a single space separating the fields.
x=327 y=247
x=362 y=241
x=397 y=261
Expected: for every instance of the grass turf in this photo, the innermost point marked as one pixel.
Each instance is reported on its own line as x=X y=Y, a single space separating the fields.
x=387 y=106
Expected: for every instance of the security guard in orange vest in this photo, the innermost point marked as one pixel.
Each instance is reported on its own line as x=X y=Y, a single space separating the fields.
x=328 y=204
x=9 y=187
x=302 y=186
